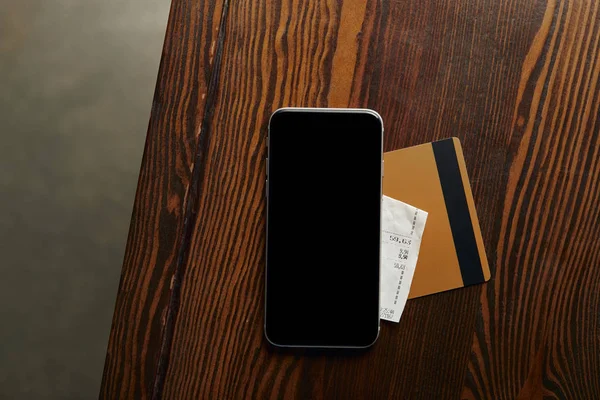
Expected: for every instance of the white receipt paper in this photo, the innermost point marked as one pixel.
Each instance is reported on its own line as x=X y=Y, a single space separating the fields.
x=402 y=228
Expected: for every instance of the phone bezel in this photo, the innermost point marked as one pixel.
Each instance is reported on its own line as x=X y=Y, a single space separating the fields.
x=316 y=110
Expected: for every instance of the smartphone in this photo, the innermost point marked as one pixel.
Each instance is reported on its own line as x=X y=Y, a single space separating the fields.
x=324 y=188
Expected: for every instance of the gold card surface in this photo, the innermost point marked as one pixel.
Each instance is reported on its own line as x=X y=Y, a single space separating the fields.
x=433 y=177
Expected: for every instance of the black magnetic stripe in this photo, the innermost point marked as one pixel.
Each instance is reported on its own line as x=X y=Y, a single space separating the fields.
x=458 y=212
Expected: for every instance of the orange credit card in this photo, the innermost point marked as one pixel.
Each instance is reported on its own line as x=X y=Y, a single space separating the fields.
x=433 y=177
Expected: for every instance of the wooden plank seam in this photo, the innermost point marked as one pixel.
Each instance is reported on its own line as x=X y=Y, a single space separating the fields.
x=190 y=211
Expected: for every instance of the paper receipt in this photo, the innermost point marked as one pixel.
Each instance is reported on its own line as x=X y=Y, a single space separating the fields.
x=402 y=228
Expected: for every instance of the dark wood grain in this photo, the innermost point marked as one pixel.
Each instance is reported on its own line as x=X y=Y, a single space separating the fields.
x=157 y=222
x=517 y=82
x=538 y=334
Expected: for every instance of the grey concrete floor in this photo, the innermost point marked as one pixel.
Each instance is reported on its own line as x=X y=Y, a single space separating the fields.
x=76 y=85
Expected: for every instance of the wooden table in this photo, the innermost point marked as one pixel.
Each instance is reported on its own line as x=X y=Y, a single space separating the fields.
x=516 y=81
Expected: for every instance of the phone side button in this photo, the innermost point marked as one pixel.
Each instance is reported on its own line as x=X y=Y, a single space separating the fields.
x=267 y=187
x=267 y=167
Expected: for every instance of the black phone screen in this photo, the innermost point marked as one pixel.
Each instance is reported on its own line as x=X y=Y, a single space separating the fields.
x=323 y=228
